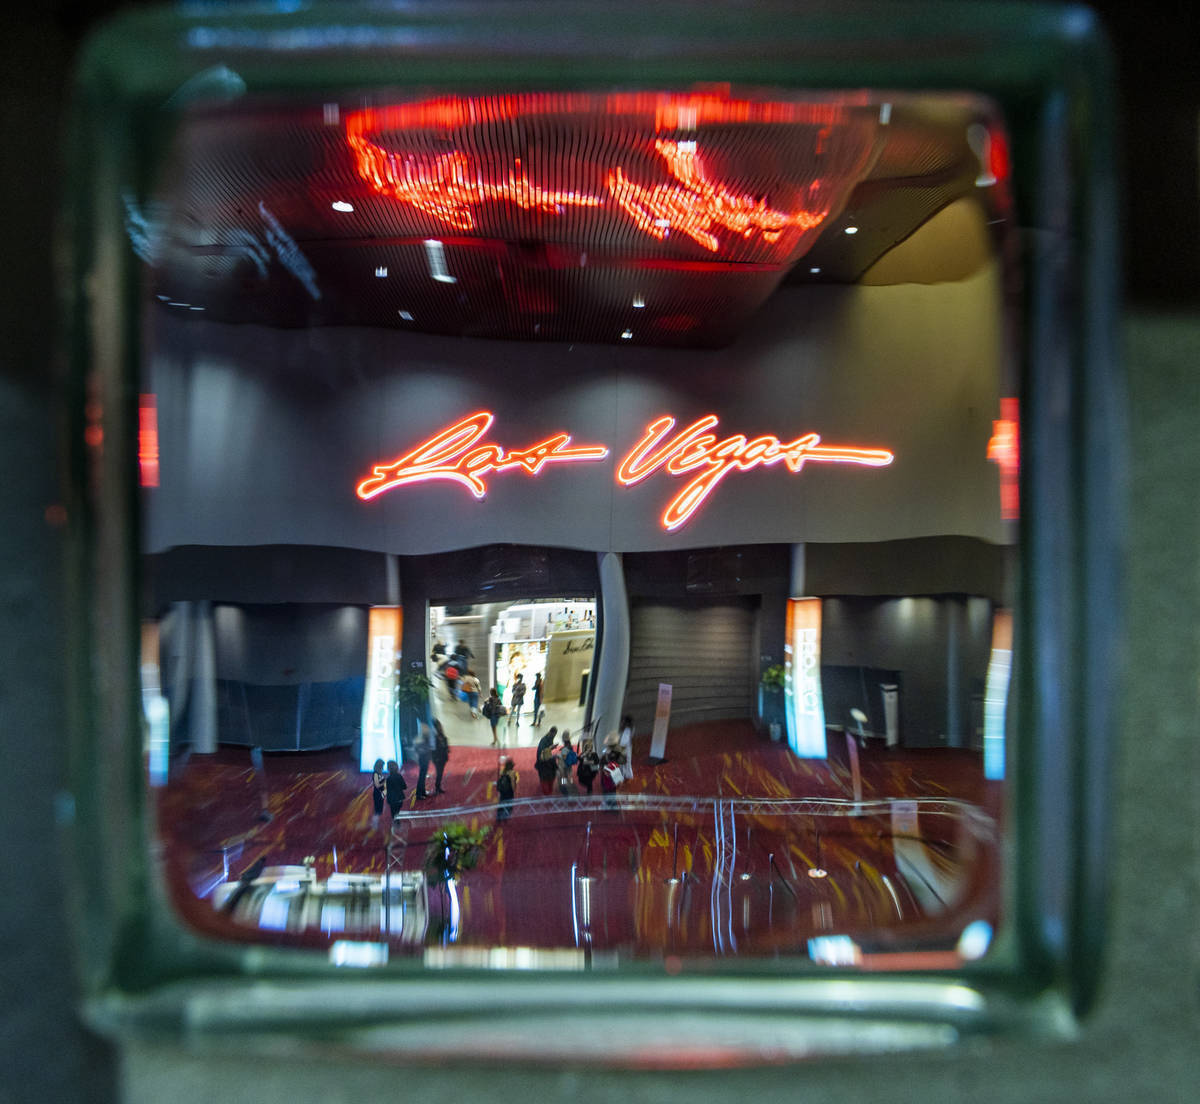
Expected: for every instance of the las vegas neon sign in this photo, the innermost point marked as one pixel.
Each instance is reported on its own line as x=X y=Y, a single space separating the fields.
x=459 y=454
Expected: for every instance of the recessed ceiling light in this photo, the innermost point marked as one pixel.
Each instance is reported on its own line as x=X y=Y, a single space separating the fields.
x=435 y=253
x=381 y=270
x=342 y=205
x=639 y=302
x=851 y=230
x=815 y=269
x=406 y=316
x=626 y=334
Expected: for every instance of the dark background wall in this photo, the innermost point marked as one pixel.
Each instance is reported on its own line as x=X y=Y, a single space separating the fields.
x=1140 y=1042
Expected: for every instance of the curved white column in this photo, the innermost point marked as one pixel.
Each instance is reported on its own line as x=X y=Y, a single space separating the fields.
x=612 y=668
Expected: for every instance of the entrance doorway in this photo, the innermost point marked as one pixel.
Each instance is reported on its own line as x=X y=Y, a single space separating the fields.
x=506 y=644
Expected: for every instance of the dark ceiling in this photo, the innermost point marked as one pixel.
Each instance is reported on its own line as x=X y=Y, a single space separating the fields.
x=663 y=219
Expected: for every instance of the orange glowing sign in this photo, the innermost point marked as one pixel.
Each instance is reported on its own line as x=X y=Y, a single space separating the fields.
x=1004 y=449
x=148 y=440
x=694 y=449
x=455 y=454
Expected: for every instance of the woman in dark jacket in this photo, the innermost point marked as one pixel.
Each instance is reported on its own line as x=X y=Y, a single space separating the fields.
x=441 y=754
x=493 y=710
x=589 y=766
x=395 y=788
x=545 y=764
x=506 y=789
x=378 y=785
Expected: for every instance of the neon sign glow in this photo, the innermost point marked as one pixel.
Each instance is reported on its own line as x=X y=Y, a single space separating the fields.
x=695 y=449
x=699 y=206
x=1004 y=448
x=444 y=189
x=487 y=168
x=455 y=454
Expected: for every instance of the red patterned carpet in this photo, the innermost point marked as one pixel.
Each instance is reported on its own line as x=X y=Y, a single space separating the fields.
x=210 y=818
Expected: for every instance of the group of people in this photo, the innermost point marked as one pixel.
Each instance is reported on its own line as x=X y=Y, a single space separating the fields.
x=561 y=765
x=566 y=768
x=387 y=783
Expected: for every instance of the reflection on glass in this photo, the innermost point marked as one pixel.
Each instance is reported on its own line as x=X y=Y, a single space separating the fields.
x=662 y=443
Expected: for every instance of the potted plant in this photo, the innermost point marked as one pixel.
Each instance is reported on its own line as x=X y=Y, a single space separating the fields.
x=770 y=699
x=451 y=850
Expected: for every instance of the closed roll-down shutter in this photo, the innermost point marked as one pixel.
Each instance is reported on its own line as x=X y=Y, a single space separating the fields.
x=704 y=649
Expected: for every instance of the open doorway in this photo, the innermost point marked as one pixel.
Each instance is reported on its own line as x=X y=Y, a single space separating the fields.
x=538 y=654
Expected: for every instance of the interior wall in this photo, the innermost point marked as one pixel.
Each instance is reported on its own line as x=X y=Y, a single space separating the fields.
x=704 y=648
x=938 y=646
x=265 y=433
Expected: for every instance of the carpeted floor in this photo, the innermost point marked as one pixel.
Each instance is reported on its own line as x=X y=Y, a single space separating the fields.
x=210 y=818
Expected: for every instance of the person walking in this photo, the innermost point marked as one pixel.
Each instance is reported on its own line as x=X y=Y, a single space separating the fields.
x=396 y=787
x=424 y=756
x=538 y=685
x=545 y=764
x=440 y=754
x=611 y=777
x=493 y=710
x=506 y=789
x=451 y=674
x=518 y=696
x=378 y=789
x=588 y=767
x=470 y=687
x=567 y=758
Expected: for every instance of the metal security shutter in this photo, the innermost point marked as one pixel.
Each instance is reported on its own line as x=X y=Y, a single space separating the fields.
x=703 y=648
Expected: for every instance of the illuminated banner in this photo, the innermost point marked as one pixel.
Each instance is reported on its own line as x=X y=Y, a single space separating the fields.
x=662 y=719
x=379 y=701
x=805 y=707
x=456 y=454
x=995 y=694
x=1005 y=449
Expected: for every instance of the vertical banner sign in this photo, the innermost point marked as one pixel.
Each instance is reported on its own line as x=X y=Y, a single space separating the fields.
x=154 y=706
x=804 y=706
x=379 y=699
x=662 y=717
x=995 y=694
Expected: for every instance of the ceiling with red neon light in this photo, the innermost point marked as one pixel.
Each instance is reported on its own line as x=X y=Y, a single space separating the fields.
x=650 y=218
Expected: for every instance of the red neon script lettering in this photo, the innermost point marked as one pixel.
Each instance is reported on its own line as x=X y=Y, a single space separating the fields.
x=455 y=454
x=449 y=188
x=695 y=206
x=695 y=449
